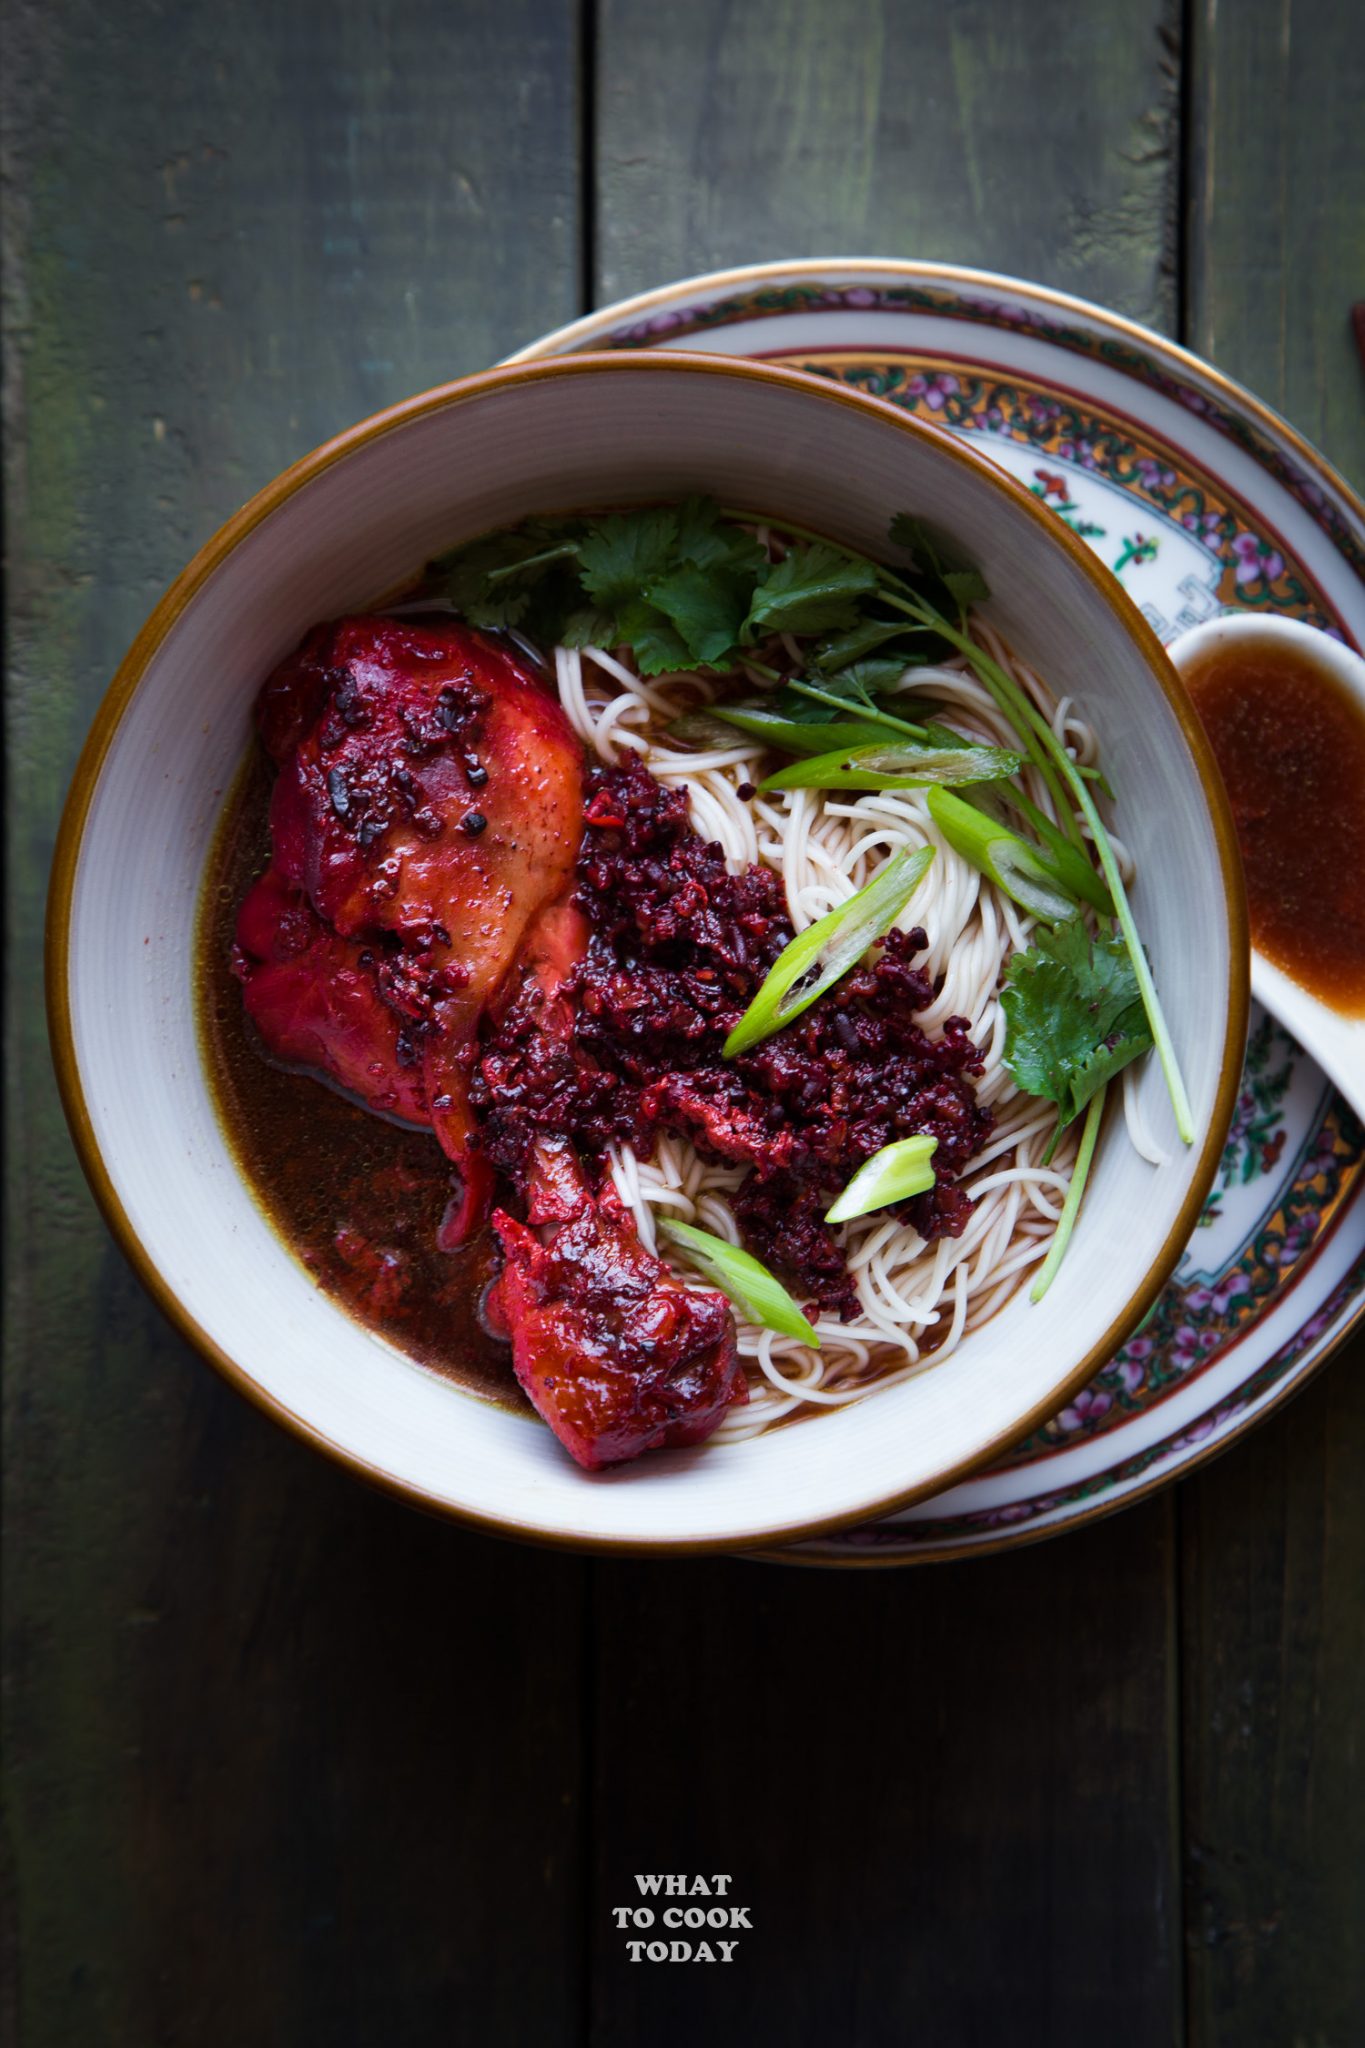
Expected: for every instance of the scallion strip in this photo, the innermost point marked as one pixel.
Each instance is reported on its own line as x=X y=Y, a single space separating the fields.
x=557 y=553
x=1066 y=1222
x=1002 y=688
x=1151 y=1001
x=888 y=766
x=823 y=954
x=893 y=724
x=1002 y=856
x=791 y=736
x=1072 y=867
x=703 y=728
x=748 y=1283
x=1028 y=720
x=891 y=1175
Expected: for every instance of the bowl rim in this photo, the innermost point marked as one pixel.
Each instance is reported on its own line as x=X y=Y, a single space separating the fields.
x=119 y=697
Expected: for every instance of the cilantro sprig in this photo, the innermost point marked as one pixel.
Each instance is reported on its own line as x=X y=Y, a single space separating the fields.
x=1074 y=1020
x=1074 y=1014
x=688 y=586
x=675 y=583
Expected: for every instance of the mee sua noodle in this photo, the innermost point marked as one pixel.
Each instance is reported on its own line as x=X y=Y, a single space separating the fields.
x=917 y=1302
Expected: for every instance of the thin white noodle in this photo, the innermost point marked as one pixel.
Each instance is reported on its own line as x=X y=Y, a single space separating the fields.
x=1134 y=1117
x=916 y=1302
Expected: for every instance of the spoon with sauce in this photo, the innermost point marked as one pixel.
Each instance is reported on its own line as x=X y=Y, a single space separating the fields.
x=1284 y=708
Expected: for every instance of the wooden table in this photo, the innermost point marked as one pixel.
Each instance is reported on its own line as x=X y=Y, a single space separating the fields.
x=289 y=1763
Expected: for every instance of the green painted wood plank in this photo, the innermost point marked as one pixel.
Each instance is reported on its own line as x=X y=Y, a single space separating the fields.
x=1277 y=209
x=269 y=1776
x=1035 y=139
x=1274 y=1672
x=1274 y=1549
x=942 y=1795
x=950 y=1795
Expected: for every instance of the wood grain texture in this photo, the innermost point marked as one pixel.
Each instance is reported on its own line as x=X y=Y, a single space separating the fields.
x=1039 y=140
x=1274 y=1534
x=287 y=1762
x=944 y=1795
x=948 y=1796
x=1274 y=1672
x=1277 y=209
x=279 y=1757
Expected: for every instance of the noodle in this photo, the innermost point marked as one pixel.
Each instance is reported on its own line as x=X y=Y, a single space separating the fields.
x=916 y=1301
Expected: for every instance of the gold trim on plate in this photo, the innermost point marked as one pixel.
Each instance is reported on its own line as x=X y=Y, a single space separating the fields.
x=818 y=268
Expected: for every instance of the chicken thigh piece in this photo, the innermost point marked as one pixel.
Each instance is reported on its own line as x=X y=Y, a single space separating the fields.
x=613 y=1351
x=428 y=805
x=315 y=1001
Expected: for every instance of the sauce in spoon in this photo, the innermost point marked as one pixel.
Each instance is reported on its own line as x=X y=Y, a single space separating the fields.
x=1290 y=740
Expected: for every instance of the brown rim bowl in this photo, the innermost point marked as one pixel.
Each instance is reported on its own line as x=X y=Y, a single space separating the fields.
x=352 y=521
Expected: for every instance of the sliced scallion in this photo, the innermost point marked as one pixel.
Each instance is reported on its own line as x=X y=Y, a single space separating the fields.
x=703 y=728
x=1066 y=1222
x=883 y=720
x=891 y=765
x=1002 y=856
x=826 y=950
x=1071 y=868
x=891 y=1175
x=793 y=736
x=746 y=1281
x=1053 y=761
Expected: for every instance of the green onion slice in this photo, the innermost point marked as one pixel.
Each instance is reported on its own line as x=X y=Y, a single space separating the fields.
x=1071 y=868
x=793 y=736
x=748 y=1283
x=891 y=1175
x=1066 y=1222
x=1002 y=856
x=884 y=766
x=703 y=728
x=826 y=950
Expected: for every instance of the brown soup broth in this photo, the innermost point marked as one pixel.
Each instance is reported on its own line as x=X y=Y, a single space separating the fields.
x=358 y=1199
x=1290 y=742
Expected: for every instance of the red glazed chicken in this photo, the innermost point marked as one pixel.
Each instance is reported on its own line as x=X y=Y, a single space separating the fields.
x=428 y=805
x=425 y=822
x=613 y=1351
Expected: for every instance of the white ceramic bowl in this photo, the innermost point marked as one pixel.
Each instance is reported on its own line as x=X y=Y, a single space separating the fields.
x=345 y=525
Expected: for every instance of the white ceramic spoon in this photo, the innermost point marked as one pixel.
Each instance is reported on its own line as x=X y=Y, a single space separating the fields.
x=1336 y=1041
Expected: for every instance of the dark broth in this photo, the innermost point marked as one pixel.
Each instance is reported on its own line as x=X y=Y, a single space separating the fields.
x=356 y=1198
x=1291 y=744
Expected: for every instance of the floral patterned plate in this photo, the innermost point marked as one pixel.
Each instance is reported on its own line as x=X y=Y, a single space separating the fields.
x=1200 y=501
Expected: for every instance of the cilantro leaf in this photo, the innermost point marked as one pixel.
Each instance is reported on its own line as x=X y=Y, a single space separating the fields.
x=940 y=566
x=811 y=590
x=796 y=709
x=710 y=541
x=589 y=627
x=850 y=686
x=810 y=699
x=919 y=643
x=556 y=597
x=1074 y=1015
x=703 y=537
x=866 y=678
x=706 y=606
x=623 y=553
x=493 y=581
x=658 y=645
x=966 y=587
